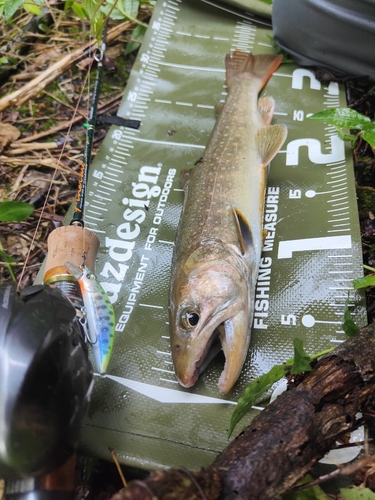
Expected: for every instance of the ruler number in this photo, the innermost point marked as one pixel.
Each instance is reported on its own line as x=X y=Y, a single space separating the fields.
x=132 y=96
x=298 y=115
x=295 y=194
x=288 y=319
x=156 y=25
x=314 y=150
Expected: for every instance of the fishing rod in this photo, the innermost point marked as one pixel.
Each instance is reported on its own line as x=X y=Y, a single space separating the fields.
x=48 y=328
x=74 y=272
x=91 y=126
x=46 y=393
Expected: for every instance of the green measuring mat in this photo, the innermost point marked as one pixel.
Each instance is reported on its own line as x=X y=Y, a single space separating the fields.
x=311 y=255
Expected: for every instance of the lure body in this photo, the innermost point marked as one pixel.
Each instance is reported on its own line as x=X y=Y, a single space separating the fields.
x=99 y=314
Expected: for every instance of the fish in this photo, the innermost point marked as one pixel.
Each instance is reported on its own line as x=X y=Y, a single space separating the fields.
x=99 y=314
x=220 y=234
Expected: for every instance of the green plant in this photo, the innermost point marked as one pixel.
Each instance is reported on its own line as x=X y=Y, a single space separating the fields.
x=258 y=387
x=13 y=211
x=345 y=119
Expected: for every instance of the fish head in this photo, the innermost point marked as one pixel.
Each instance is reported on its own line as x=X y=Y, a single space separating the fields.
x=210 y=307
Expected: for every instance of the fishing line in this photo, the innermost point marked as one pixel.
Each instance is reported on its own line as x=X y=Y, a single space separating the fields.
x=45 y=203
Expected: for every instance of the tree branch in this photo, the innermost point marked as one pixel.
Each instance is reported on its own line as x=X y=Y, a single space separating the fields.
x=286 y=439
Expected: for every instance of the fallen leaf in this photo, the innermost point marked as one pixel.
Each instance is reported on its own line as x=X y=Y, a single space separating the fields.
x=8 y=134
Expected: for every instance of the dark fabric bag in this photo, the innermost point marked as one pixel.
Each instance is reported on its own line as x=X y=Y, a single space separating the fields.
x=335 y=34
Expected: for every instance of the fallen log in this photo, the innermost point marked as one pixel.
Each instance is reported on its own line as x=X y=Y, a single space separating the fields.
x=286 y=439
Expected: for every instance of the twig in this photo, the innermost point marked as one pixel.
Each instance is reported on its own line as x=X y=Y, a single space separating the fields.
x=33 y=87
x=114 y=458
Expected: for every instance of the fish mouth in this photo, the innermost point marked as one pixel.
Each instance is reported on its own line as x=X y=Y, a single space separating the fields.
x=229 y=336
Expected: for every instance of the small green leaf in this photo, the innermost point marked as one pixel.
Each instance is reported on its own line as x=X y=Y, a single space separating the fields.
x=11 y=8
x=342 y=117
x=301 y=359
x=33 y=8
x=364 y=282
x=15 y=211
x=138 y=34
x=68 y=4
x=357 y=494
x=260 y=386
x=368 y=133
x=311 y=493
x=348 y=325
x=8 y=261
x=253 y=392
x=132 y=8
x=78 y=10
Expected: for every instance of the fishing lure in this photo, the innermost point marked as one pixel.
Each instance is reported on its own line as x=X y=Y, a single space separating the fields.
x=99 y=314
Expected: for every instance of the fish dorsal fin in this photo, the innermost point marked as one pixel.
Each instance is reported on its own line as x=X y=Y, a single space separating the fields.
x=245 y=236
x=269 y=140
x=266 y=107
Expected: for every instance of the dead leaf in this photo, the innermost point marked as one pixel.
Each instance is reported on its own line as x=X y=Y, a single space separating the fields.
x=8 y=134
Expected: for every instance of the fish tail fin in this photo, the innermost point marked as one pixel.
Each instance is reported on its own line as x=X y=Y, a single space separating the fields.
x=260 y=67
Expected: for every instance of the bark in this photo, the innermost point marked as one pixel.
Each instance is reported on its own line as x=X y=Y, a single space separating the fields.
x=286 y=439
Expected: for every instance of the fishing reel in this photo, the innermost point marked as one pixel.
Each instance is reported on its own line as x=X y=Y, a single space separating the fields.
x=46 y=380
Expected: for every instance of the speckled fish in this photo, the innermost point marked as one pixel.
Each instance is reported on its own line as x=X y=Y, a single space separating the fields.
x=99 y=314
x=220 y=236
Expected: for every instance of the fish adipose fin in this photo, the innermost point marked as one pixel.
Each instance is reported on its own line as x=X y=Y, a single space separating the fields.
x=261 y=66
x=269 y=140
x=245 y=236
x=266 y=106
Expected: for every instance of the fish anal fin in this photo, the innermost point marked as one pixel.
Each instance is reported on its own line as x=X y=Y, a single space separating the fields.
x=245 y=236
x=269 y=140
x=266 y=106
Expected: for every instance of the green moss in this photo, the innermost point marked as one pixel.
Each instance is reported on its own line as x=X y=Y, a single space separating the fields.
x=366 y=201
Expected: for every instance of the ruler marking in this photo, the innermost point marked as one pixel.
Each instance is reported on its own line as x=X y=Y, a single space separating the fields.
x=109 y=184
x=93 y=211
x=191 y=67
x=166 y=242
x=162 y=370
x=169 y=143
x=99 y=208
x=167 y=380
x=94 y=218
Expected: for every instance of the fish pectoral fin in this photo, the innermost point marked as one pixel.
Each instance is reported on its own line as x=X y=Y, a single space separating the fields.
x=184 y=177
x=269 y=140
x=266 y=106
x=245 y=235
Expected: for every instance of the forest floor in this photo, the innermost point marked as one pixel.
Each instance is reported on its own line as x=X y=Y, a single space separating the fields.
x=42 y=145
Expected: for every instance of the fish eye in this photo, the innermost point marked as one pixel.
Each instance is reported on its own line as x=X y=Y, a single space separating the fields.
x=189 y=319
